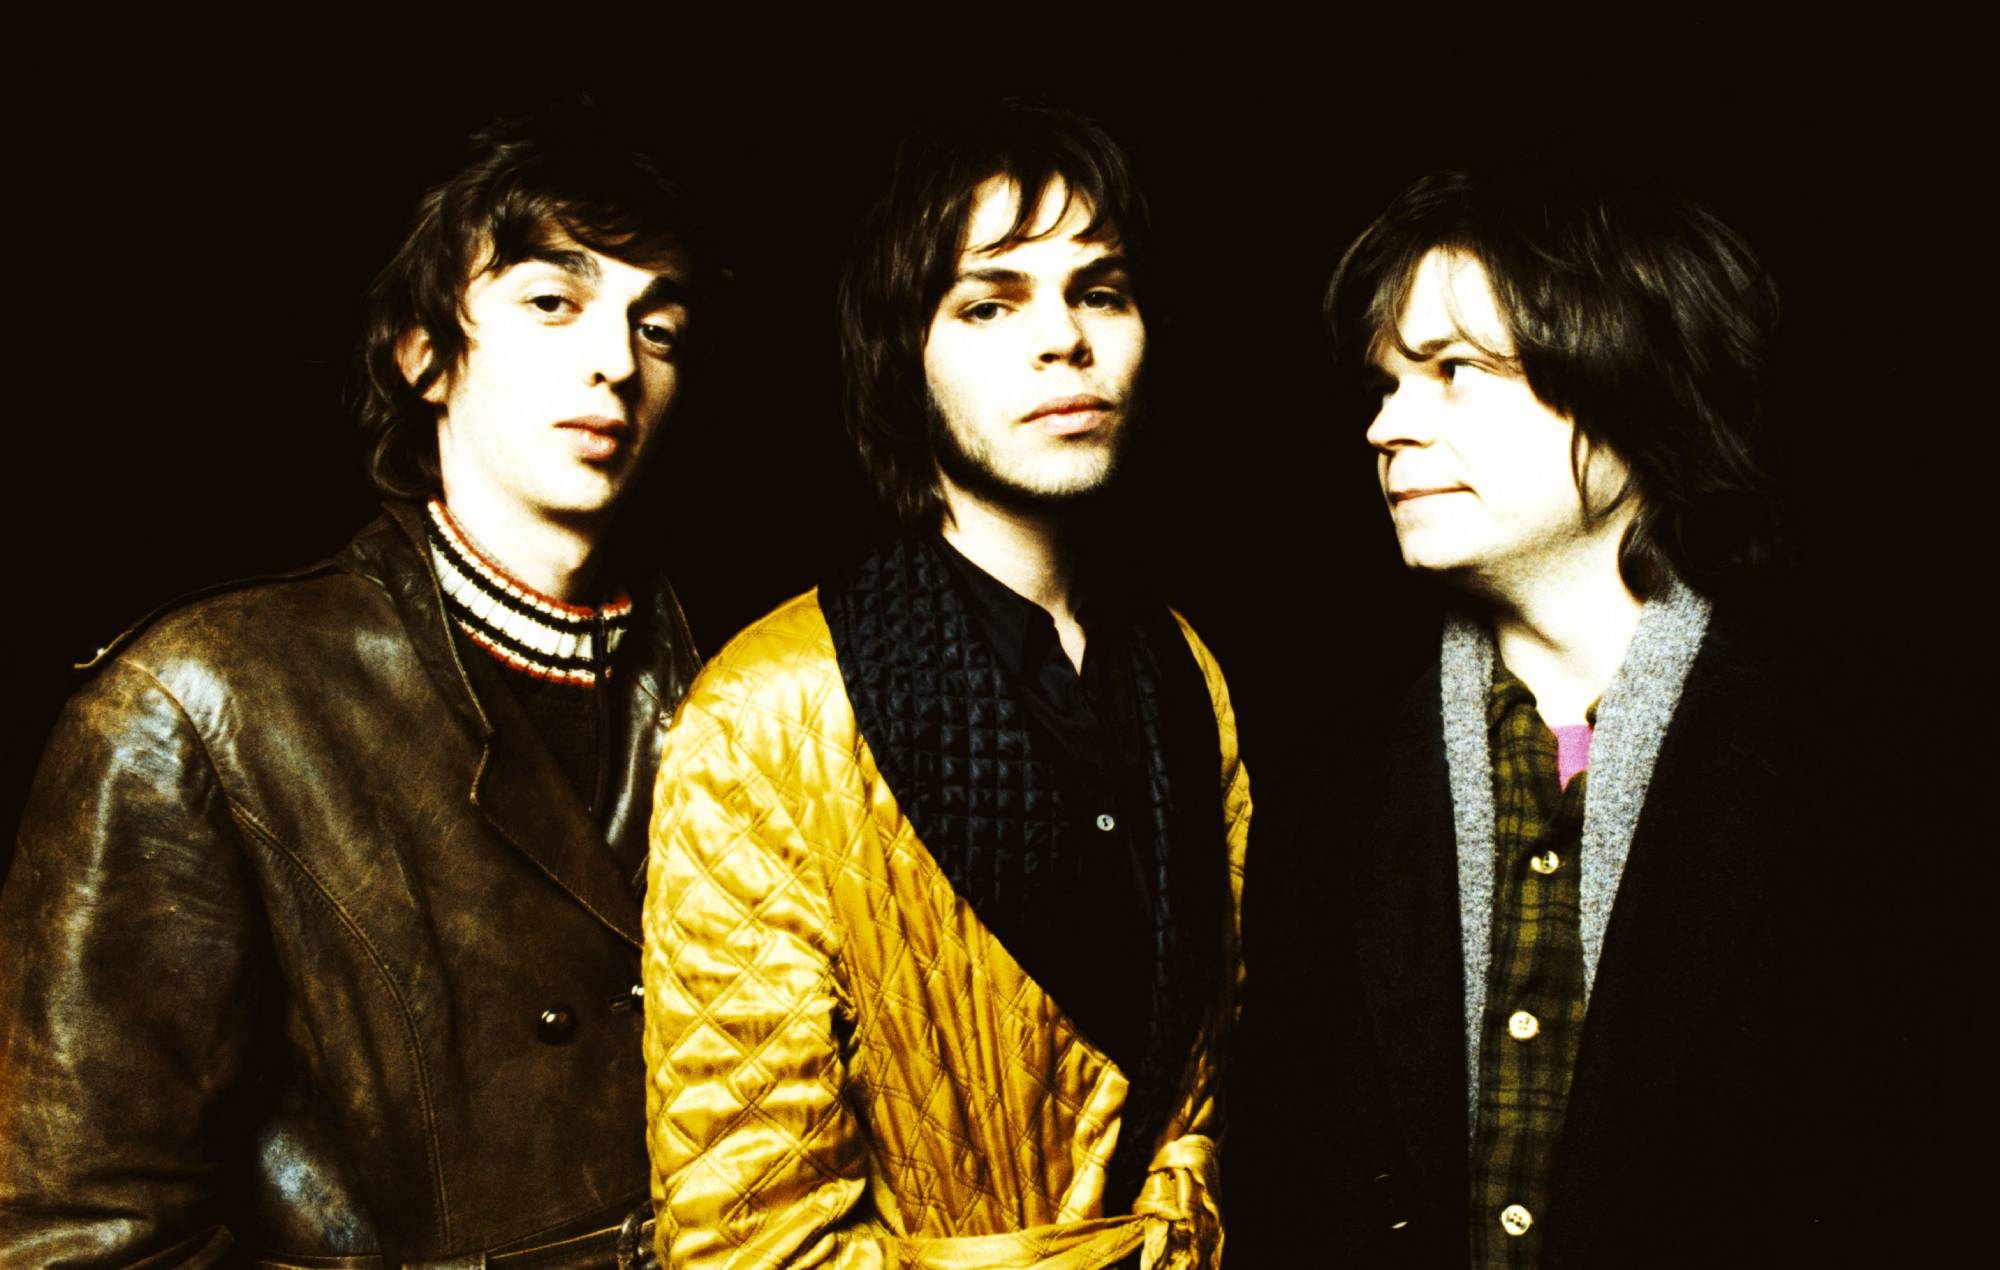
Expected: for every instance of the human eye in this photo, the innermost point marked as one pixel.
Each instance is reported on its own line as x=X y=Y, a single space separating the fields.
x=553 y=303
x=658 y=336
x=1108 y=299
x=980 y=312
x=1453 y=370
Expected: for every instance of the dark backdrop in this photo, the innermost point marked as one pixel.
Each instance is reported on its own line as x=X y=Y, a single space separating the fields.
x=198 y=244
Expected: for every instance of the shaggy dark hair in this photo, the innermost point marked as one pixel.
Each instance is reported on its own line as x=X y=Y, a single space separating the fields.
x=526 y=184
x=905 y=256
x=1633 y=312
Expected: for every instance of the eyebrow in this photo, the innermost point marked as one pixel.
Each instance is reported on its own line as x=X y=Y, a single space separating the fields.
x=1096 y=270
x=1424 y=352
x=998 y=277
x=576 y=263
x=1431 y=348
x=1101 y=268
x=663 y=291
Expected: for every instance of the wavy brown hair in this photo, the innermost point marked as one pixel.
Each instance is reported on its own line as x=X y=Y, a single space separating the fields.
x=906 y=253
x=1635 y=313
x=525 y=184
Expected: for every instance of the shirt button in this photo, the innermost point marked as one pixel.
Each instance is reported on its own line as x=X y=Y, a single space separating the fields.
x=1515 y=1220
x=1547 y=862
x=1523 y=1026
x=1106 y=823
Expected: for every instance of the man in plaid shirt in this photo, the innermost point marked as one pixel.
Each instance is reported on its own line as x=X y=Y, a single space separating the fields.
x=1599 y=956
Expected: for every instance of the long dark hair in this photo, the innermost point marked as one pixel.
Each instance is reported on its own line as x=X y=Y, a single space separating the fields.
x=1635 y=313
x=906 y=253
x=525 y=183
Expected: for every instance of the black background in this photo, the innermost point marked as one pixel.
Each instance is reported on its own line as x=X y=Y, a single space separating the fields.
x=197 y=243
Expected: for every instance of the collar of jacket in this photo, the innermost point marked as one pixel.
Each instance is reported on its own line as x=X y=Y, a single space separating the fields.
x=955 y=744
x=1697 y=882
x=1632 y=718
x=517 y=785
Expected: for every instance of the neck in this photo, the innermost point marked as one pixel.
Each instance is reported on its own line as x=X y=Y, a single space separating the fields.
x=553 y=557
x=1023 y=549
x=1565 y=635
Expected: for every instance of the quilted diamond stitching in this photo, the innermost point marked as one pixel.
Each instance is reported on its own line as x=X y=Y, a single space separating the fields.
x=817 y=852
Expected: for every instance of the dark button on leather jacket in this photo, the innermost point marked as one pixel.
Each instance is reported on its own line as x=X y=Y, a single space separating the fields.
x=290 y=914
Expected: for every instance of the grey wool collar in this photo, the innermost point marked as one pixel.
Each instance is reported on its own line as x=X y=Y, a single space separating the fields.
x=1632 y=719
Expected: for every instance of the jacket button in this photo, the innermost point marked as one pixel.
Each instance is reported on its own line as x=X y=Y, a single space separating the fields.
x=556 y=1025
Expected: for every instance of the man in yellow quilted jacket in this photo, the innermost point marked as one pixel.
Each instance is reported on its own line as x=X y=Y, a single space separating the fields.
x=941 y=934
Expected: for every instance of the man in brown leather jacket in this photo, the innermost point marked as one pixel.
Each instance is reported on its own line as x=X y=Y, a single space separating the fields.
x=321 y=944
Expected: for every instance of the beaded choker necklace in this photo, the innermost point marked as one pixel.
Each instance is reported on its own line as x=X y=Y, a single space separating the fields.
x=523 y=629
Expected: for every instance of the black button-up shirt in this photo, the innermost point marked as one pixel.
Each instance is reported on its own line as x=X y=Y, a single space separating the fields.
x=1092 y=942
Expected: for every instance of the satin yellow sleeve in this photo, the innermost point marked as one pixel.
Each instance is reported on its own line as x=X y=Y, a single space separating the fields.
x=757 y=1160
x=1236 y=805
x=1199 y=1241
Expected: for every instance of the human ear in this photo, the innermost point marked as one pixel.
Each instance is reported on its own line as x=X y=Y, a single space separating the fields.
x=1604 y=480
x=414 y=356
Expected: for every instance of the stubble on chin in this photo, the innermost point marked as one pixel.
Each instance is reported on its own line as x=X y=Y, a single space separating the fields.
x=1012 y=480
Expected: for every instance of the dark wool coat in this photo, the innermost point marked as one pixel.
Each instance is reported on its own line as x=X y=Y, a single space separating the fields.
x=1775 y=1017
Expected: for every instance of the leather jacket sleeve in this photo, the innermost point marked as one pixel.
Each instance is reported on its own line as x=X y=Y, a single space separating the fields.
x=128 y=937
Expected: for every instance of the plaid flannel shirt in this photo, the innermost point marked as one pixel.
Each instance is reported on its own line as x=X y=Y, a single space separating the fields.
x=1535 y=985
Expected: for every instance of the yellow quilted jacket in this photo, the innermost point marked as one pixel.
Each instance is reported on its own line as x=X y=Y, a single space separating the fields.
x=845 y=1068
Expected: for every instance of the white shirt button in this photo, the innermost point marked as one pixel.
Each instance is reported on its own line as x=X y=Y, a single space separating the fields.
x=1546 y=862
x=1105 y=822
x=1515 y=1220
x=1523 y=1026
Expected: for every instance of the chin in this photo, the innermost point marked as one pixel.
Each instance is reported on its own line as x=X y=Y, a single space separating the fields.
x=1064 y=476
x=578 y=504
x=1436 y=557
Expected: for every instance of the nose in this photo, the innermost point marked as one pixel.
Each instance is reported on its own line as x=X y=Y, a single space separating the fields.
x=1059 y=336
x=607 y=348
x=1401 y=422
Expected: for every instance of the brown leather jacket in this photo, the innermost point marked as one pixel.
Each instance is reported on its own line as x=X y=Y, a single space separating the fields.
x=310 y=955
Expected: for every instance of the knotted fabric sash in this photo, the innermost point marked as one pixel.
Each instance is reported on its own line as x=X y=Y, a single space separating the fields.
x=1174 y=1225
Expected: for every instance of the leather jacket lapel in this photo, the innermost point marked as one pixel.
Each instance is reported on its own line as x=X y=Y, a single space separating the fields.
x=648 y=683
x=529 y=802
x=518 y=786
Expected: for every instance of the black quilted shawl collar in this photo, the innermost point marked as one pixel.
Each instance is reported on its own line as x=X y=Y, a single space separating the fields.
x=957 y=747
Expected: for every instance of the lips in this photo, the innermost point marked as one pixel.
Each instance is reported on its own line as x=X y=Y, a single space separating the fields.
x=1397 y=497
x=1065 y=415
x=596 y=437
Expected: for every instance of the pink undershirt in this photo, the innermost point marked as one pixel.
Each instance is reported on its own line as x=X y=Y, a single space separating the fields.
x=1572 y=750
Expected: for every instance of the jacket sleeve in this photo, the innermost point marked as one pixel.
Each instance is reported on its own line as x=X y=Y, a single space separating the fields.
x=1236 y=805
x=757 y=1158
x=1196 y=1238
x=126 y=935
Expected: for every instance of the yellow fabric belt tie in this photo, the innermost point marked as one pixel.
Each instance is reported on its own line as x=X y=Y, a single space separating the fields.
x=1174 y=1224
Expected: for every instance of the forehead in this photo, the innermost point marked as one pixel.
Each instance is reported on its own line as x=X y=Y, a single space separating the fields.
x=558 y=251
x=1058 y=218
x=1449 y=298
